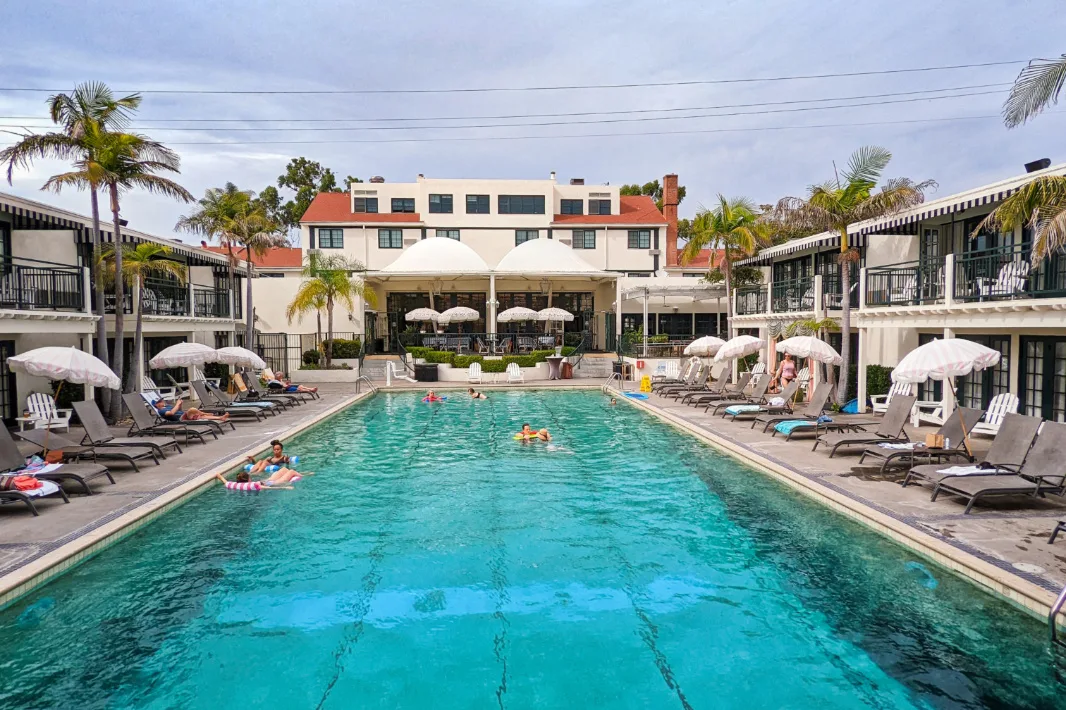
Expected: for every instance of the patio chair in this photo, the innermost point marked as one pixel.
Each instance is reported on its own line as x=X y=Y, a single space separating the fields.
x=210 y=403
x=1007 y=452
x=54 y=442
x=181 y=389
x=42 y=406
x=680 y=378
x=757 y=395
x=891 y=428
x=700 y=385
x=803 y=377
x=98 y=434
x=525 y=345
x=11 y=459
x=1000 y=406
x=514 y=373
x=221 y=397
x=473 y=375
x=1042 y=472
x=246 y=392
x=879 y=402
x=814 y=409
x=197 y=374
x=150 y=423
x=168 y=394
x=1010 y=281
x=726 y=392
x=754 y=409
x=908 y=453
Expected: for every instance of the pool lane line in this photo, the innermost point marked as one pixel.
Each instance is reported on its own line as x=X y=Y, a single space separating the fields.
x=498 y=574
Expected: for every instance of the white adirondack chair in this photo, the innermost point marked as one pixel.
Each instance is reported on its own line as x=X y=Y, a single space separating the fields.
x=514 y=373
x=999 y=407
x=473 y=375
x=198 y=375
x=168 y=394
x=666 y=370
x=804 y=378
x=880 y=402
x=927 y=413
x=42 y=406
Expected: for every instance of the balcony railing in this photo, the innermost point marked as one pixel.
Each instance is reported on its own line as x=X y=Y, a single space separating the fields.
x=28 y=284
x=164 y=298
x=751 y=300
x=210 y=303
x=910 y=283
x=792 y=296
x=1008 y=273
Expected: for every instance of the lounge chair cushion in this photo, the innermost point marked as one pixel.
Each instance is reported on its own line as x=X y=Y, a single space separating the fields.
x=791 y=425
x=742 y=408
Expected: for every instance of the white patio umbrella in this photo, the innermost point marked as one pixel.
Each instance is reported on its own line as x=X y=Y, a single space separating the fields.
x=183 y=355
x=459 y=314
x=944 y=359
x=740 y=346
x=810 y=347
x=243 y=357
x=517 y=314
x=422 y=314
x=555 y=315
x=707 y=346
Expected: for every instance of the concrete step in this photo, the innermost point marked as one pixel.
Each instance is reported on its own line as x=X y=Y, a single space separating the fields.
x=374 y=367
x=594 y=368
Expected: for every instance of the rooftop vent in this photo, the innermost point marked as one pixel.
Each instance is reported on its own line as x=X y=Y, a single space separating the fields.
x=377 y=179
x=577 y=181
x=1037 y=165
x=553 y=175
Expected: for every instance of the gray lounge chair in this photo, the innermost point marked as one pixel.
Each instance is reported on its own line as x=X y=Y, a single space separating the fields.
x=11 y=459
x=52 y=442
x=1042 y=472
x=220 y=396
x=727 y=392
x=698 y=381
x=702 y=388
x=889 y=430
x=150 y=423
x=209 y=403
x=246 y=392
x=757 y=396
x=768 y=409
x=952 y=429
x=814 y=409
x=98 y=433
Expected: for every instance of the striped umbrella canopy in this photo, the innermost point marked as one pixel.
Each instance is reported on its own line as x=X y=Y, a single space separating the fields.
x=555 y=315
x=944 y=358
x=67 y=364
x=421 y=314
x=459 y=314
x=183 y=355
x=707 y=346
x=516 y=314
x=740 y=346
x=234 y=355
x=810 y=347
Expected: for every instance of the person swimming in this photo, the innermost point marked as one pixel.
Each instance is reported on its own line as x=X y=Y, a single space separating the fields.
x=613 y=401
x=474 y=394
x=528 y=434
x=431 y=396
x=244 y=482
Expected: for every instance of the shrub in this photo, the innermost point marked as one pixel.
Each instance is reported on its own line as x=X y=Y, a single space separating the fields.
x=418 y=351
x=217 y=370
x=68 y=393
x=465 y=361
x=522 y=360
x=343 y=349
x=440 y=357
x=494 y=366
x=311 y=357
x=878 y=379
x=661 y=338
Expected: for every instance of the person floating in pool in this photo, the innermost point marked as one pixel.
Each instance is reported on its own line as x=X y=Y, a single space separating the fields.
x=528 y=434
x=474 y=394
x=613 y=401
x=432 y=396
x=174 y=414
x=244 y=482
x=277 y=458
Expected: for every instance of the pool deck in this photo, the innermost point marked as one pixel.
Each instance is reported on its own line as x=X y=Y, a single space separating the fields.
x=984 y=546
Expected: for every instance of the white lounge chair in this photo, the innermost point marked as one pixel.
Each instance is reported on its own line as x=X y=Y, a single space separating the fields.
x=666 y=370
x=43 y=407
x=168 y=394
x=473 y=375
x=1000 y=406
x=514 y=373
x=879 y=402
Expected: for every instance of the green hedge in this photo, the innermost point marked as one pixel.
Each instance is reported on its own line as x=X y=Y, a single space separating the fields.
x=418 y=351
x=217 y=369
x=878 y=379
x=439 y=357
x=311 y=357
x=343 y=349
x=495 y=365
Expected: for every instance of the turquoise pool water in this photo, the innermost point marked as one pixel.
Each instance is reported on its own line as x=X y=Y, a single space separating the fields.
x=434 y=562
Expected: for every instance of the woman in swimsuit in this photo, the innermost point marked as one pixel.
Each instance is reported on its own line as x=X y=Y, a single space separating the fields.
x=474 y=394
x=277 y=458
x=786 y=372
x=247 y=484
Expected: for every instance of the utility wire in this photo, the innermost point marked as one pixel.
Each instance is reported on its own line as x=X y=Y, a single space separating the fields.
x=564 y=87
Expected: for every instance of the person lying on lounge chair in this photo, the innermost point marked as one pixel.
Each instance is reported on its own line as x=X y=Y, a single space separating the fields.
x=175 y=414
x=278 y=381
x=475 y=394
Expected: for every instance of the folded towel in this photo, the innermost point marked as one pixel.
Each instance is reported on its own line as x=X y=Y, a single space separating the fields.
x=909 y=446
x=966 y=470
x=777 y=402
x=792 y=425
x=742 y=408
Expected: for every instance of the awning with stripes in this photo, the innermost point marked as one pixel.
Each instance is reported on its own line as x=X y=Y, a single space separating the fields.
x=816 y=242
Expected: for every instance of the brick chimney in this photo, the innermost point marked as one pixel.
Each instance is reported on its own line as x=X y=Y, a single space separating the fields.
x=670 y=212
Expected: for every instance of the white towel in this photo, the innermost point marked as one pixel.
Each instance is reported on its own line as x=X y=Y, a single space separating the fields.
x=965 y=470
x=909 y=446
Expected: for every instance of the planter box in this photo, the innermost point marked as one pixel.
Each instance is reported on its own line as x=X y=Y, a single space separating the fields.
x=314 y=377
x=350 y=362
x=447 y=373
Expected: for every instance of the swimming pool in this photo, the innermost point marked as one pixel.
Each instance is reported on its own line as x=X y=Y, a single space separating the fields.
x=434 y=562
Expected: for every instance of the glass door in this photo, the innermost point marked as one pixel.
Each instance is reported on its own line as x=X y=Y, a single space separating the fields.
x=1042 y=373
x=8 y=405
x=977 y=389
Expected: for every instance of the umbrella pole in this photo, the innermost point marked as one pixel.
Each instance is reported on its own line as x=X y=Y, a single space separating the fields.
x=48 y=428
x=962 y=422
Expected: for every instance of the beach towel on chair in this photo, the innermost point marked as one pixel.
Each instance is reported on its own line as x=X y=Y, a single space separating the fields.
x=792 y=425
x=742 y=408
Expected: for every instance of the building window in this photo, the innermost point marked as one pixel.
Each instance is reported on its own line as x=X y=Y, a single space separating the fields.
x=640 y=239
x=331 y=238
x=599 y=207
x=448 y=233
x=521 y=204
x=390 y=239
x=572 y=207
x=365 y=204
x=584 y=239
x=403 y=204
x=639 y=274
x=440 y=204
x=521 y=236
x=477 y=204
x=691 y=275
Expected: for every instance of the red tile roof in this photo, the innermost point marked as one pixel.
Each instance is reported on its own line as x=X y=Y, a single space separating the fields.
x=636 y=209
x=276 y=258
x=701 y=261
x=337 y=207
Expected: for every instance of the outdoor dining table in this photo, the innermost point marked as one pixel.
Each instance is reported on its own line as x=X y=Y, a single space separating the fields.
x=554 y=362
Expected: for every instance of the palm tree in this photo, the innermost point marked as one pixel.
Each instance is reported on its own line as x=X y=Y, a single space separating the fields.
x=847 y=199
x=90 y=108
x=1039 y=205
x=329 y=279
x=1037 y=87
x=146 y=259
x=250 y=228
x=735 y=228
x=121 y=162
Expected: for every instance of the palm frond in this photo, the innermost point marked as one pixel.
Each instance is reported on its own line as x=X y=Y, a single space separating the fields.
x=898 y=194
x=866 y=165
x=159 y=185
x=36 y=147
x=1039 y=205
x=1037 y=87
x=78 y=179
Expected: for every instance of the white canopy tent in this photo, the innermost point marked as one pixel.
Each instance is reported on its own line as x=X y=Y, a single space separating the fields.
x=671 y=290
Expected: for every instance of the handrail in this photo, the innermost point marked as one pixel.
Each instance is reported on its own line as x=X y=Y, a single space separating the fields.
x=364 y=378
x=1052 y=625
x=403 y=350
x=607 y=385
x=907 y=283
x=579 y=350
x=792 y=295
x=10 y=260
x=751 y=300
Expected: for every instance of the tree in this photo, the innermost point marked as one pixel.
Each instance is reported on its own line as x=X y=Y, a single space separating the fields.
x=306 y=178
x=145 y=259
x=1037 y=87
x=732 y=226
x=742 y=275
x=122 y=162
x=847 y=199
x=1039 y=205
x=653 y=190
x=89 y=109
x=328 y=280
x=256 y=233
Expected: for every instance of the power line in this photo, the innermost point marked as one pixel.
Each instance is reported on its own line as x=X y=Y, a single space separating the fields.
x=638 y=119
x=564 y=87
x=406 y=119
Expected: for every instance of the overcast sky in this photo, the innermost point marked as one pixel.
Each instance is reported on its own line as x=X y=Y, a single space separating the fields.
x=407 y=45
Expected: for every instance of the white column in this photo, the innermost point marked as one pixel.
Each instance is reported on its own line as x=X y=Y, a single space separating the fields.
x=232 y=304
x=192 y=301
x=947 y=400
x=862 y=288
x=87 y=346
x=87 y=288
x=769 y=296
x=863 y=361
x=617 y=313
x=819 y=298
x=138 y=366
x=949 y=280
x=491 y=323
x=644 y=353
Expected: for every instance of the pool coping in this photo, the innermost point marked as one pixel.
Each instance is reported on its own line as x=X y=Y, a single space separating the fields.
x=87 y=543
x=1032 y=598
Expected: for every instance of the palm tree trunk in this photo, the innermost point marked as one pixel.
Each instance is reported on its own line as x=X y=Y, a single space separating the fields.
x=845 y=319
x=98 y=281
x=120 y=296
x=231 y=268
x=329 y=332
x=318 y=326
x=728 y=273
x=132 y=385
x=249 y=324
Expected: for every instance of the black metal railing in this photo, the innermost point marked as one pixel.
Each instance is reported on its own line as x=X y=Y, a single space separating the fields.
x=479 y=343
x=794 y=295
x=210 y=303
x=909 y=283
x=1008 y=273
x=29 y=284
x=751 y=300
x=164 y=298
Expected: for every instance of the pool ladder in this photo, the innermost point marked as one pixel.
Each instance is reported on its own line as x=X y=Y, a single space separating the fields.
x=359 y=383
x=615 y=377
x=1052 y=626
